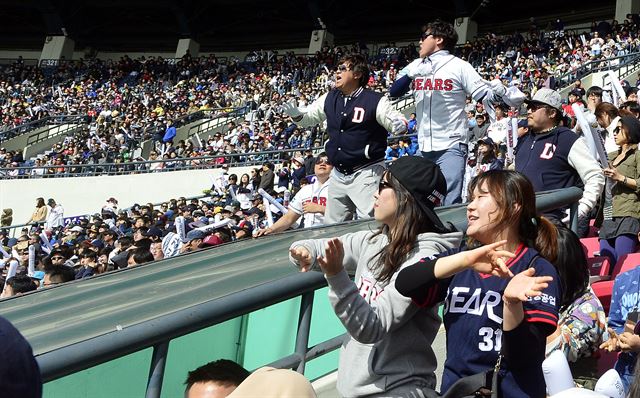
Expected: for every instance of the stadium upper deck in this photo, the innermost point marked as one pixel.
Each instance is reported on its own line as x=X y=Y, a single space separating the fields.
x=148 y=25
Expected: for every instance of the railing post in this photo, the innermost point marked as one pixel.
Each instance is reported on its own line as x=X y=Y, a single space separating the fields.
x=156 y=372
x=573 y=214
x=304 y=326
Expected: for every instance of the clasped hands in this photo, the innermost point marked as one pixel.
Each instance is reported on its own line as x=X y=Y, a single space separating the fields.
x=625 y=342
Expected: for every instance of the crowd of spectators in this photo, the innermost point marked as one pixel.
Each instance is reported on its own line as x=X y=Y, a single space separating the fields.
x=146 y=92
x=130 y=101
x=51 y=251
x=545 y=54
x=231 y=209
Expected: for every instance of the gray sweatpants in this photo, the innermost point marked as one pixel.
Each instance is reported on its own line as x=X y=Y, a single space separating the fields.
x=352 y=194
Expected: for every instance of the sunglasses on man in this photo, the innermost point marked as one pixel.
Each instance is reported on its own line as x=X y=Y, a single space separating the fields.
x=534 y=107
x=425 y=35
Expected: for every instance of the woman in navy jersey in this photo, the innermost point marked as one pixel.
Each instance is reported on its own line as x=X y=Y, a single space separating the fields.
x=487 y=311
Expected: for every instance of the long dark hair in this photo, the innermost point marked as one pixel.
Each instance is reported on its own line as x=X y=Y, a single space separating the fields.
x=410 y=222
x=572 y=267
x=488 y=156
x=244 y=184
x=516 y=202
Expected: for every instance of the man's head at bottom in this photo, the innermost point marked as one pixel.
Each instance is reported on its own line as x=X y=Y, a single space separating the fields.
x=216 y=379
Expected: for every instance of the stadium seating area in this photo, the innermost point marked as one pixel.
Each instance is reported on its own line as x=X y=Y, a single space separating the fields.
x=128 y=103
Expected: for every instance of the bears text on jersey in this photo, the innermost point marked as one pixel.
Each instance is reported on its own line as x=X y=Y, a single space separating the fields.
x=425 y=83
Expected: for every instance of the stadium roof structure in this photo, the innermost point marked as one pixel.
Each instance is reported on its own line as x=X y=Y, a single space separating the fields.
x=156 y=25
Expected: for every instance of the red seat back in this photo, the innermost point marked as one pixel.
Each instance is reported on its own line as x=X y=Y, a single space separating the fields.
x=590 y=246
x=603 y=289
x=599 y=266
x=626 y=263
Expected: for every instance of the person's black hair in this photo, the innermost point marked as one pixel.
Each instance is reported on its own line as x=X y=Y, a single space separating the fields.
x=223 y=371
x=358 y=64
x=140 y=255
x=60 y=274
x=89 y=253
x=411 y=221
x=233 y=177
x=445 y=31
x=595 y=90
x=21 y=284
x=571 y=264
x=125 y=242
x=144 y=243
x=224 y=234
x=557 y=117
x=631 y=106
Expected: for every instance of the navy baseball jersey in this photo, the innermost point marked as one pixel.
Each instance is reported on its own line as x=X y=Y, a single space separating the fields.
x=473 y=320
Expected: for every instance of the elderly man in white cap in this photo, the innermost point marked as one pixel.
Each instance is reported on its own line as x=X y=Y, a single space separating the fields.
x=552 y=156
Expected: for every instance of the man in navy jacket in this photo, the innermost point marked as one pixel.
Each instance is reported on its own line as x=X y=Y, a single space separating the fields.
x=358 y=121
x=553 y=156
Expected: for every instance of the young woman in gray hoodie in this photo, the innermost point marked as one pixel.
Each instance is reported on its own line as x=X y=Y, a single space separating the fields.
x=388 y=352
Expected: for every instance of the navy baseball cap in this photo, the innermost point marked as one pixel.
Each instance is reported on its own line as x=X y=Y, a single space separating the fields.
x=196 y=234
x=487 y=141
x=523 y=123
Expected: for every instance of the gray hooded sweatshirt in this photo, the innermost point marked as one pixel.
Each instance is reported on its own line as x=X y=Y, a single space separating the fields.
x=389 y=350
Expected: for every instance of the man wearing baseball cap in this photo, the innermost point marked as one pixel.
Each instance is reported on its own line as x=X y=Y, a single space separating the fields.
x=553 y=157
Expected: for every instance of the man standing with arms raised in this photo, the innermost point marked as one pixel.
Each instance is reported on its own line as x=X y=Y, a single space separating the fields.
x=441 y=84
x=358 y=120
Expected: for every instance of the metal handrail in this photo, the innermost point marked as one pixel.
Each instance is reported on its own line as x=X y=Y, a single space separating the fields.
x=30 y=126
x=53 y=131
x=217 y=120
x=84 y=354
x=404 y=102
x=144 y=167
x=566 y=79
x=159 y=331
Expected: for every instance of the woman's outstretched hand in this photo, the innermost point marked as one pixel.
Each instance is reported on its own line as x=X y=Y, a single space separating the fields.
x=525 y=285
x=331 y=263
x=302 y=256
x=487 y=260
